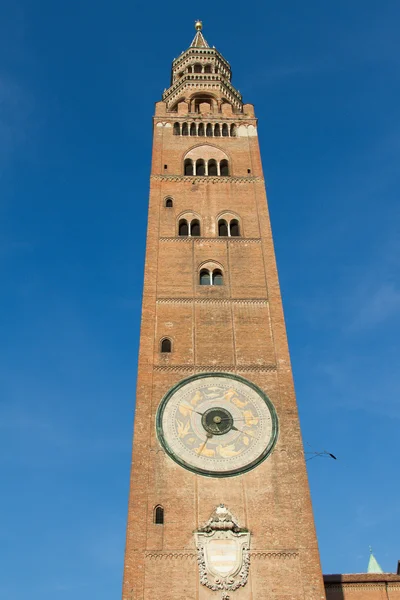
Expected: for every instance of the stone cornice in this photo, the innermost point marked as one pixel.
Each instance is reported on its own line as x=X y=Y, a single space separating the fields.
x=207 y=179
x=260 y=301
x=218 y=240
x=214 y=368
x=280 y=554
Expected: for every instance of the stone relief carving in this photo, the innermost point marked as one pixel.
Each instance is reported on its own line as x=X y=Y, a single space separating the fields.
x=223 y=552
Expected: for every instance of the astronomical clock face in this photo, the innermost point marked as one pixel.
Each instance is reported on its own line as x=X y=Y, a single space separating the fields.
x=217 y=425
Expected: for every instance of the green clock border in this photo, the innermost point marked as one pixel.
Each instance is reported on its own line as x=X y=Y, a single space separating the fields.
x=207 y=473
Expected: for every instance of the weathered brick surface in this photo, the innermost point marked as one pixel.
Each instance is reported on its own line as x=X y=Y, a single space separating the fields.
x=238 y=327
x=363 y=586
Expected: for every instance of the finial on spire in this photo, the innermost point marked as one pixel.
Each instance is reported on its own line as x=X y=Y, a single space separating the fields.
x=198 y=25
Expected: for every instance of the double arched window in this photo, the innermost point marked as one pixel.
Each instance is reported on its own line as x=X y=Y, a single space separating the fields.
x=189 y=228
x=211 y=277
x=228 y=228
x=202 y=168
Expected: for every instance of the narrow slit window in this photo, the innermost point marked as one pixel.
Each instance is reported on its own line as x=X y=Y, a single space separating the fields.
x=166 y=345
x=159 y=515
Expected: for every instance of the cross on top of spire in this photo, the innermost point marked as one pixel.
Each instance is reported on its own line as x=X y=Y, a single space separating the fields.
x=199 y=40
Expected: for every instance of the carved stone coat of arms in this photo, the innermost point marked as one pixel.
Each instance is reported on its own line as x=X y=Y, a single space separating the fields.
x=223 y=552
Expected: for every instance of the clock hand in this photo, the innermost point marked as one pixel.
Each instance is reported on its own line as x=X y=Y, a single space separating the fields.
x=192 y=410
x=236 y=429
x=209 y=435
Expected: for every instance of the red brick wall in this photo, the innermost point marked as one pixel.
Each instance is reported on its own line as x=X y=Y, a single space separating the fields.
x=238 y=328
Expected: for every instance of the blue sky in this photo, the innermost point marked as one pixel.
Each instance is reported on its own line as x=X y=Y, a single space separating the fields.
x=78 y=82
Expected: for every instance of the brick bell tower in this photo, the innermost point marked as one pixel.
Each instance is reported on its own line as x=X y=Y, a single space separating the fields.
x=219 y=503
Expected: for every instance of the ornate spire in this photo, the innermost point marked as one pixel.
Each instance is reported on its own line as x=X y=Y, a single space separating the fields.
x=373 y=565
x=199 y=40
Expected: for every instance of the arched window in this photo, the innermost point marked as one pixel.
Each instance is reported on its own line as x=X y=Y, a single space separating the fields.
x=217 y=131
x=205 y=278
x=195 y=228
x=223 y=167
x=212 y=167
x=188 y=167
x=233 y=130
x=197 y=68
x=166 y=345
x=217 y=277
x=222 y=228
x=158 y=515
x=200 y=167
x=193 y=129
x=207 y=69
x=189 y=69
x=209 y=130
x=183 y=228
x=201 y=129
x=185 y=129
x=225 y=132
x=169 y=203
x=234 y=228
x=177 y=129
